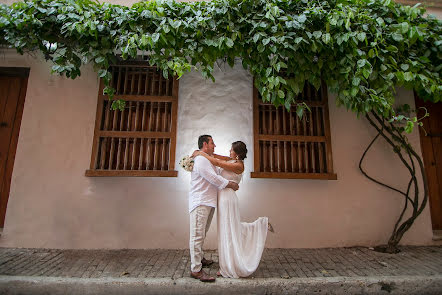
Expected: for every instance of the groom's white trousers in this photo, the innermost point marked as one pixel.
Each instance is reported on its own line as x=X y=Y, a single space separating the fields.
x=200 y=219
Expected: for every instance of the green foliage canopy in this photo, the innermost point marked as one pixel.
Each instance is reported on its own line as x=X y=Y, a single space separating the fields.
x=362 y=49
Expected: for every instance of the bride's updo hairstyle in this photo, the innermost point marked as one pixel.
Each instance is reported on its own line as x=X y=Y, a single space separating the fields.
x=240 y=149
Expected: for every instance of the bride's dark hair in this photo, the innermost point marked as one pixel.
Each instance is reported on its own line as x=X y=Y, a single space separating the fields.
x=240 y=149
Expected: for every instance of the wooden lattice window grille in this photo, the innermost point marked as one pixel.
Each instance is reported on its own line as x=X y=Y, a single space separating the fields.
x=141 y=140
x=288 y=147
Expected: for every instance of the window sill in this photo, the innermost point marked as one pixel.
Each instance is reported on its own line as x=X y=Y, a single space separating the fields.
x=131 y=173
x=284 y=175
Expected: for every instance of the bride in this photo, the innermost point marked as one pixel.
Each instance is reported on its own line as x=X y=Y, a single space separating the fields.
x=240 y=244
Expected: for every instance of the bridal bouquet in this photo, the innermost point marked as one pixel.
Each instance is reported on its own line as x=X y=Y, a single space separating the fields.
x=187 y=163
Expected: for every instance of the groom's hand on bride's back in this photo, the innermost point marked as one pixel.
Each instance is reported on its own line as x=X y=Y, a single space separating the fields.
x=233 y=185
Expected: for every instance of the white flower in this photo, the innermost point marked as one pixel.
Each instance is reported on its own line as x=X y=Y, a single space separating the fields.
x=187 y=163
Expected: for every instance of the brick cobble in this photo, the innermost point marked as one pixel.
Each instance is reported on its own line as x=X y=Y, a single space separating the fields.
x=42 y=262
x=49 y=266
x=133 y=268
x=148 y=263
x=99 y=268
x=7 y=260
x=17 y=263
x=113 y=267
x=181 y=267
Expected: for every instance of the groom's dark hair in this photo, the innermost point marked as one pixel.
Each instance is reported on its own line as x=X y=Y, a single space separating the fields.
x=203 y=139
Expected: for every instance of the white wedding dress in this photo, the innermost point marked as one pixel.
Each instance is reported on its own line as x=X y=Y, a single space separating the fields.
x=240 y=244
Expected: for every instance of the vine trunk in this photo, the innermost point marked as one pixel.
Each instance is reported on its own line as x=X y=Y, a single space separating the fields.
x=393 y=135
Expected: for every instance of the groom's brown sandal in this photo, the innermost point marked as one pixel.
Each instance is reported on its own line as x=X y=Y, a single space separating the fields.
x=206 y=262
x=202 y=276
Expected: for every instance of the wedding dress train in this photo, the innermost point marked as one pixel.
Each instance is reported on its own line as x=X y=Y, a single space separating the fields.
x=240 y=244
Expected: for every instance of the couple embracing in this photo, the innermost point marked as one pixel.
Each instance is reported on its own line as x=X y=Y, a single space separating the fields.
x=214 y=180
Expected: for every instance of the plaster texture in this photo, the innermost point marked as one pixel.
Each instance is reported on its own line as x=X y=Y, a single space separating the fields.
x=53 y=205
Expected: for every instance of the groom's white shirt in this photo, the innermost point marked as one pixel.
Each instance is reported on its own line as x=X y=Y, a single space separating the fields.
x=204 y=184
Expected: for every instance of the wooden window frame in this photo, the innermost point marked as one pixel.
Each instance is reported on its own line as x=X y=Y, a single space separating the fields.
x=326 y=139
x=135 y=135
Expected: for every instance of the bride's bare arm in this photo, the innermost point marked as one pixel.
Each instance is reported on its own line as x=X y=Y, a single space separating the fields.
x=237 y=167
x=225 y=158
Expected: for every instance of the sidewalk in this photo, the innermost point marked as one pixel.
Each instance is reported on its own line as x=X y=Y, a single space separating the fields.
x=357 y=270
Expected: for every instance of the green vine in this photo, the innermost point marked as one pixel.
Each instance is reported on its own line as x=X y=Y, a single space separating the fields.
x=362 y=49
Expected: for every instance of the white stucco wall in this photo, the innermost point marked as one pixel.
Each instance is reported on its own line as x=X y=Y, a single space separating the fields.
x=52 y=204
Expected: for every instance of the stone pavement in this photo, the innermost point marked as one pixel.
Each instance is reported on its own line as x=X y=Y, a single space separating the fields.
x=356 y=270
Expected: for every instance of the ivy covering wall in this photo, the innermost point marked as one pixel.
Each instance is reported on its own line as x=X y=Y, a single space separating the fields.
x=362 y=49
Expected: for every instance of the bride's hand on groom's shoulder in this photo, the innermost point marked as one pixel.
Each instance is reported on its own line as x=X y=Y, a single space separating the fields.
x=195 y=153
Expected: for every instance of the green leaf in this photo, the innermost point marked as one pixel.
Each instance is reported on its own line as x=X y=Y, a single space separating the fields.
x=424 y=59
x=99 y=59
x=361 y=63
x=361 y=36
x=404 y=27
x=356 y=81
x=354 y=91
x=380 y=21
x=287 y=104
x=109 y=91
x=155 y=37
x=317 y=34
x=392 y=48
x=366 y=73
x=229 y=42
x=408 y=76
x=102 y=73
x=118 y=105
x=409 y=127
x=302 y=18
x=281 y=94
x=268 y=71
x=298 y=40
x=314 y=47
x=326 y=38
x=404 y=67
x=144 y=40
x=397 y=37
x=347 y=24
x=300 y=111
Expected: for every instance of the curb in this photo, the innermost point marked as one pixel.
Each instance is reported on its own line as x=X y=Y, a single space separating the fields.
x=14 y=285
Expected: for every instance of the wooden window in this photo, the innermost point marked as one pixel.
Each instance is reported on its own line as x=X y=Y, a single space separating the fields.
x=139 y=141
x=287 y=147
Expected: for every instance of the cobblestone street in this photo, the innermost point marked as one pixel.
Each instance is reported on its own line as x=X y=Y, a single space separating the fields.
x=283 y=264
x=276 y=263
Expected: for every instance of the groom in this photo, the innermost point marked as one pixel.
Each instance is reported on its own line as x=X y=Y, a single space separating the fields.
x=204 y=186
